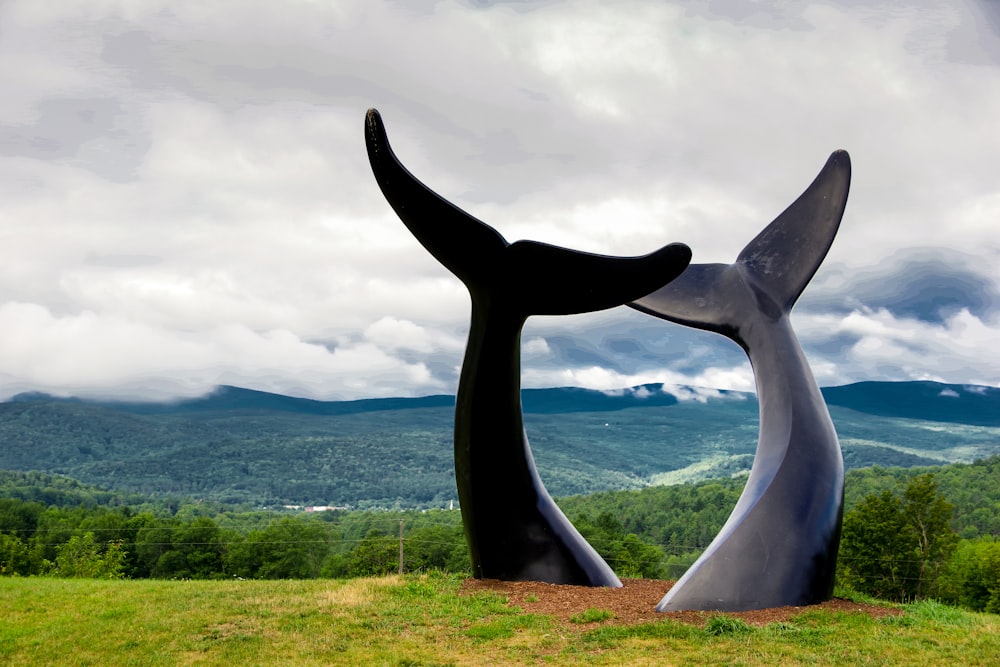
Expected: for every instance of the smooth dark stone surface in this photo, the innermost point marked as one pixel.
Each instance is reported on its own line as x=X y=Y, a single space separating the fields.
x=514 y=529
x=779 y=546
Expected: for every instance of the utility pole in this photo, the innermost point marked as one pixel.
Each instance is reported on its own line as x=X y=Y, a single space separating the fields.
x=401 y=546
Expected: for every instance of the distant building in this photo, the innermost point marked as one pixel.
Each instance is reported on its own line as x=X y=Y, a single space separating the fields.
x=326 y=508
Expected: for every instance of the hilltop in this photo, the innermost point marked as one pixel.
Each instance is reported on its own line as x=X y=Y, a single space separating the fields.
x=240 y=445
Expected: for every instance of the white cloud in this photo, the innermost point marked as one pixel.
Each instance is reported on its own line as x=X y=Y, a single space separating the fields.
x=697 y=394
x=91 y=354
x=899 y=348
x=392 y=334
x=595 y=377
x=191 y=178
x=535 y=347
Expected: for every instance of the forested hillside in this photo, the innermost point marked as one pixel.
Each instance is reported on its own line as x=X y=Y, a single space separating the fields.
x=241 y=446
x=684 y=515
x=56 y=525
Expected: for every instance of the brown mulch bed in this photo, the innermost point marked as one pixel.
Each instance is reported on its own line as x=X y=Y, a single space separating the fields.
x=636 y=602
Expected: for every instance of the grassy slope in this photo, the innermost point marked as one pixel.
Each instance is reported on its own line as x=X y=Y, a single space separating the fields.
x=420 y=620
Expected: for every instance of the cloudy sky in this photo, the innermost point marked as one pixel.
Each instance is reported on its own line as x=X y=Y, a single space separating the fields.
x=185 y=198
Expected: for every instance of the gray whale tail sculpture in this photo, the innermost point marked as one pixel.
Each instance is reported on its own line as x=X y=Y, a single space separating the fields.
x=514 y=529
x=779 y=545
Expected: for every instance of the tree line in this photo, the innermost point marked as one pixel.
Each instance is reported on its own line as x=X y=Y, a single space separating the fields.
x=907 y=534
x=194 y=542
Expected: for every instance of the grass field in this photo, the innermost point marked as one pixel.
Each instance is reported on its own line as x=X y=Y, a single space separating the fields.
x=422 y=620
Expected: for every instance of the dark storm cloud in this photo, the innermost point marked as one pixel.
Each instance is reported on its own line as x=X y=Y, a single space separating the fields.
x=926 y=284
x=630 y=343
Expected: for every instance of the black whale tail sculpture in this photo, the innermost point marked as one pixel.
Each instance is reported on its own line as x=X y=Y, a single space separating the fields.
x=514 y=529
x=779 y=545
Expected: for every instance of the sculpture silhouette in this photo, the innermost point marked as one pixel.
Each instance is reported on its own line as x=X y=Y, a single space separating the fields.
x=514 y=529
x=779 y=545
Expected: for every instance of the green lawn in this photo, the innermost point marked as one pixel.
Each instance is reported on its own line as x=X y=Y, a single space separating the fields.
x=421 y=620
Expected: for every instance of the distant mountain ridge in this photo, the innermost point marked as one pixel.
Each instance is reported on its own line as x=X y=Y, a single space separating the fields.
x=934 y=401
x=225 y=398
x=242 y=445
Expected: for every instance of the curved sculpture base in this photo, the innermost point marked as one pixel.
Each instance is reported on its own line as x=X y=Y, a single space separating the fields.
x=514 y=529
x=779 y=546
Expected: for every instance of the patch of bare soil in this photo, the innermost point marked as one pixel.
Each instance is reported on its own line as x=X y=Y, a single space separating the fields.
x=636 y=602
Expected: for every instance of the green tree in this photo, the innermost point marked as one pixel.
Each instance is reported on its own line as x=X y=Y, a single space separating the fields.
x=971 y=577
x=436 y=548
x=625 y=552
x=170 y=549
x=894 y=547
x=136 y=567
x=154 y=539
x=376 y=554
x=634 y=558
x=19 y=517
x=929 y=514
x=287 y=549
x=876 y=547
x=56 y=525
x=15 y=556
x=82 y=556
x=200 y=542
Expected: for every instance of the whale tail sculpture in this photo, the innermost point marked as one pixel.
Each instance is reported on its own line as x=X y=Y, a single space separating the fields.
x=514 y=529
x=779 y=545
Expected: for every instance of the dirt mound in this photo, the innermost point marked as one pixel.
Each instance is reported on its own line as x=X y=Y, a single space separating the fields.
x=636 y=602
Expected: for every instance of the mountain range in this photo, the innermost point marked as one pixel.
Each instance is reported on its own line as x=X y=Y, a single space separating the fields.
x=245 y=446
